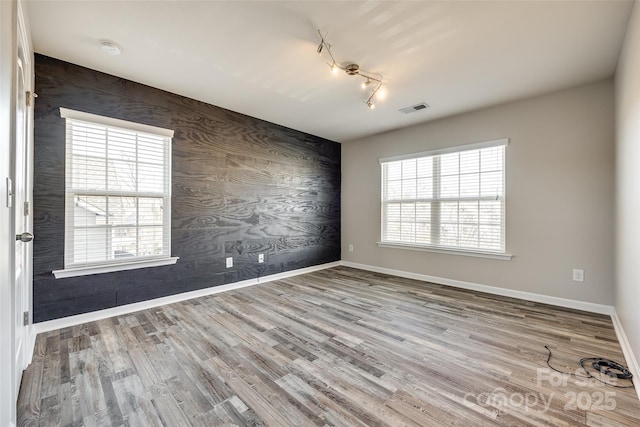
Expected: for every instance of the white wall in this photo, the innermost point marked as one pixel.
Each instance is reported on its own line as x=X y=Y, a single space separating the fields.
x=7 y=40
x=627 y=89
x=560 y=194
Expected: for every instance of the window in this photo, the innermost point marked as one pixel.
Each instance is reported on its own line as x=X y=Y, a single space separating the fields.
x=450 y=199
x=118 y=198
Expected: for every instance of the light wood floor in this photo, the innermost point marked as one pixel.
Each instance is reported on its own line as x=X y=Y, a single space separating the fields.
x=338 y=347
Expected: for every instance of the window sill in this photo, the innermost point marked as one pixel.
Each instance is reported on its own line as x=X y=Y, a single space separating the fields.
x=479 y=254
x=110 y=268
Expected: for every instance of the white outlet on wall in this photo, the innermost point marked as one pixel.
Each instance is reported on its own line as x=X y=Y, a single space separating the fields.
x=260 y=258
x=350 y=247
x=578 y=275
x=229 y=262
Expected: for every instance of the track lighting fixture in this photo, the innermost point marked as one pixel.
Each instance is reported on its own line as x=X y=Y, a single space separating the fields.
x=354 y=70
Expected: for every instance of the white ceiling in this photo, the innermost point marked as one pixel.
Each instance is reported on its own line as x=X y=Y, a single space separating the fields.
x=259 y=58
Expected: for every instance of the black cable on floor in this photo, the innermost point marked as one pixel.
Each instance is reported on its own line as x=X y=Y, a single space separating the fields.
x=625 y=374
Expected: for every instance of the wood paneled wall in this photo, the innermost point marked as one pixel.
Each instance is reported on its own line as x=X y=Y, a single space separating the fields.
x=240 y=186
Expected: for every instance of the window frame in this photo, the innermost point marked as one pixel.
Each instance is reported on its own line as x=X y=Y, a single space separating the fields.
x=112 y=265
x=443 y=249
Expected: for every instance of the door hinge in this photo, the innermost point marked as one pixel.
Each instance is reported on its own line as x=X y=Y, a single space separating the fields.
x=9 y=193
x=31 y=98
x=25 y=318
x=26 y=209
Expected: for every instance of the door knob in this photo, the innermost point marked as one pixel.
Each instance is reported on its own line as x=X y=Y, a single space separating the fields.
x=24 y=237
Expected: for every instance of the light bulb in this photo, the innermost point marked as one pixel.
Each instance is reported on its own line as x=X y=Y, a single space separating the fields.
x=365 y=84
x=371 y=105
x=381 y=93
x=334 y=68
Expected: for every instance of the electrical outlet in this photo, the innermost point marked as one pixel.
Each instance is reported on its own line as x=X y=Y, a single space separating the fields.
x=260 y=258
x=229 y=262
x=578 y=275
x=350 y=247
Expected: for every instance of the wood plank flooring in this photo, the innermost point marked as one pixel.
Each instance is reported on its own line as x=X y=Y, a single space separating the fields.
x=338 y=347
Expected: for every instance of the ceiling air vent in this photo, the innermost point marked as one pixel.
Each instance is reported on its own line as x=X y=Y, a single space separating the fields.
x=414 y=108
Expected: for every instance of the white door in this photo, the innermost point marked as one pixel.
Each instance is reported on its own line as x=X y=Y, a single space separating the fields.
x=22 y=210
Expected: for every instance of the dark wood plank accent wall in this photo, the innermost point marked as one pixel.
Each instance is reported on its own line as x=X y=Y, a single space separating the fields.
x=240 y=186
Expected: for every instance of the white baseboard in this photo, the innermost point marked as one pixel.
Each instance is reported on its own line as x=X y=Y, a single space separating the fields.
x=529 y=296
x=632 y=361
x=279 y=276
x=65 y=322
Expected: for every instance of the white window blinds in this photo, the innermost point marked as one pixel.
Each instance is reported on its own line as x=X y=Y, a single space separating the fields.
x=118 y=191
x=446 y=199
